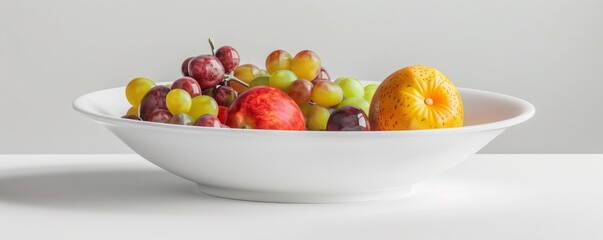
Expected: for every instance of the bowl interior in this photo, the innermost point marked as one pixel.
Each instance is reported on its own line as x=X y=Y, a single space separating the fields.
x=481 y=107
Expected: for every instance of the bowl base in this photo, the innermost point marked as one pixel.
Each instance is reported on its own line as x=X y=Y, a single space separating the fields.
x=290 y=197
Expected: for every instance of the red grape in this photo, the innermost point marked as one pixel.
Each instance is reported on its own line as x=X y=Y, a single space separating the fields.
x=188 y=84
x=323 y=74
x=209 y=91
x=229 y=57
x=181 y=119
x=208 y=120
x=154 y=99
x=184 y=67
x=207 y=70
x=348 y=118
x=160 y=115
x=300 y=91
x=225 y=95
x=317 y=80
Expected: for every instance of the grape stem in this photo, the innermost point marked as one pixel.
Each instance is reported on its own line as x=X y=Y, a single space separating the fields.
x=231 y=77
x=212 y=45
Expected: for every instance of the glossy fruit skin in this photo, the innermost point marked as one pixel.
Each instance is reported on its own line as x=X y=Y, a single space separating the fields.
x=245 y=73
x=187 y=84
x=369 y=91
x=178 y=101
x=137 y=88
x=260 y=81
x=278 y=60
x=229 y=57
x=327 y=94
x=265 y=108
x=208 y=120
x=300 y=91
x=306 y=64
x=154 y=99
x=132 y=117
x=317 y=118
x=184 y=67
x=351 y=87
x=202 y=105
x=416 y=97
x=207 y=70
x=160 y=116
x=225 y=95
x=358 y=102
x=348 y=118
x=282 y=79
x=222 y=114
x=181 y=119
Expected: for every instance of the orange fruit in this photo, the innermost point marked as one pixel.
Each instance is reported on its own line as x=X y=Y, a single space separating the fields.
x=416 y=97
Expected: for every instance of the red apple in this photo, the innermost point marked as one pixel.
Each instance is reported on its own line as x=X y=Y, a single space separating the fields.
x=265 y=107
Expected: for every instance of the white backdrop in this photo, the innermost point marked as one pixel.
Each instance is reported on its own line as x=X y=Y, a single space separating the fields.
x=548 y=52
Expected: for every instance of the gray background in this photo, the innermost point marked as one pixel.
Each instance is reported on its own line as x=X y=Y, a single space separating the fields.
x=547 y=52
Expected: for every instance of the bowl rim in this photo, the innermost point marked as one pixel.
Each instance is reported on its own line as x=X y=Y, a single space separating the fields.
x=527 y=111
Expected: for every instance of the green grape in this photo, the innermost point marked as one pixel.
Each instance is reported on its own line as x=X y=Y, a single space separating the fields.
x=282 y=79
x=178 y=101
x=260 y=81
x=137 y=88
x=369 y=91
x=304 y=108
x=317 y=118
x=264 y=72
x=351 y=87
x=358 y=102
x=371 y=86
x=327 y=94
x=202 y=105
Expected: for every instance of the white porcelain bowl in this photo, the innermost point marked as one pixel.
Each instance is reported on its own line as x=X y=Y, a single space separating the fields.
x=307 y=167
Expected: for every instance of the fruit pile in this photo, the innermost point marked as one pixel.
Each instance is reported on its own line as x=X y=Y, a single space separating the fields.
x=293 y=93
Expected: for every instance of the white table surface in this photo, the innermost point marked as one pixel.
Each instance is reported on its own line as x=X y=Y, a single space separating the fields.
x=125 y=197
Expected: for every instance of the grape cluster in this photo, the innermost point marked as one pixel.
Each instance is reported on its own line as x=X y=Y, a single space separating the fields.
x=212 y=82
x=200 y=98
x=309 y=84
